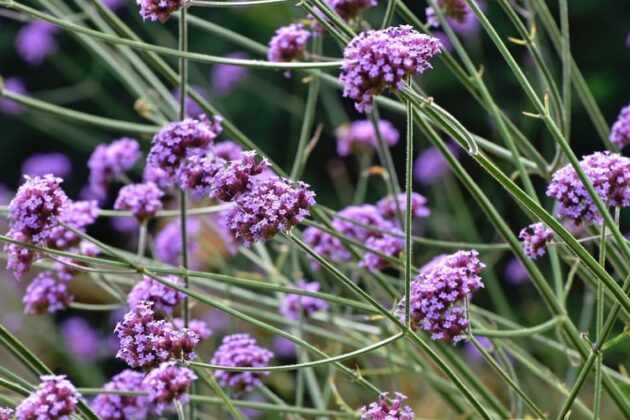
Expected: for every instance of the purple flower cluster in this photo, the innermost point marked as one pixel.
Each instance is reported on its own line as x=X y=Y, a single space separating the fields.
x=168 y=242
x=288 y=43
x=389 y=245
x=610 y=175
x=56 y=398
x=82 y=340
x=180 y=140
x=438 y=293
x=46 y=292
x=109 y=162
x=146 y=342
x=161 y=296
x=387 y=206
x=348 y=10
x=384 y=410
x=196 y=175
x=36 y=41
x=159 y=10
x=458 y=13
x=115 y=407
x=298 y=306
x=15 y=85
x=40 y=164
x=620 y=131
x=197 y=326
x=77 y=214
x=535 y=239
x=227 y=150
x=166 y=384
x=6 y=413
x=380 y=59
x=240 y=350
x=236 y=177
x=361 y=136
x=143 y=200
x=225 y=77
x=19 y=259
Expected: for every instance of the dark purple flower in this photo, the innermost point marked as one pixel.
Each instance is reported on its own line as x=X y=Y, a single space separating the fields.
x=389 y=245
x=430 y=166
x=197 y=326
x=272 y=205
x=166 y=384
x=146 y=342
x=109 y=162
x=55 y=398
x=192 y=108
x=15 y=85
x=225 y=77
x=620 y=131
x=196 y=174
x=78 y=215
x=180 y=140
x=380 y=59
x=119 y=407
x=227 y=150
x=361 y=136
x=514 y=272
x=535 y=239
x=610 y=175
x=6 y=413
x=240 y=350
x=162 y=297
x=46 y=293
x=288 y=43
x=36 y=41
x=168 y=242
x=236 y=177
x=438 y=295
x=158 y=176
x=387 y=206
x=82 y=340
x=40 y=164
x=384 y=410
x=159 y=10
x=143 y=200
x=298 y=306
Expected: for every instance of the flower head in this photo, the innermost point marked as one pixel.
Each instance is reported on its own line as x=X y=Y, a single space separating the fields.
x=620 y=131
x=166 y=384
x=198 y=326
x=387 y=206
x=535 y=239
x=227 y=150
x=163 y=297
x=46 y=293
x=36 y=41
x=437 y=295
x=288 y=43
x=6 y=413
x=236 y=177
x=159 y=10
x=240 y=350
x=297 y=306
x=610 y=175
x=379 y=59
x=459 y=15
x=389 y=245
x=196 y=175
x=9 y=106
x=78 y=215
x=40 y=164
x=83 y=340
x=19 y=259
x=384 y=410
x=225 y=77
x=55 y=398
x=110 y=161
x=514 y=272
x=114 y=406
x=361 y=136
x=143 y=200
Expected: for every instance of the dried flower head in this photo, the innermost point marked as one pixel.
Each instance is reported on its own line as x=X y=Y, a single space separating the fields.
x=168 y=242
x=166 y=384
x=118 y=407
x=55 y=399
x=361 y=136
x=163 y=297
x=143 y=200
x=620 y=131
x=295 y=306
x=384 y=410
x=535 y=239
x=198 y=326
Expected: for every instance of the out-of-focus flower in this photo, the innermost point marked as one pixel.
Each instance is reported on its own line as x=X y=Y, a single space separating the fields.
x=81 y=339
x=447 y=45
x=115 y=5
x=288 y=43
x=240 y=350
x=46 y=293
x=295 y=306
x=109 y=162
x=163 y=297
x=459 y=15
x=55 y=398
x=9 y=106
x=514 y=272
x=118 y=407
x=284 y=348
x=535 y=239
x=168 y=242
x=387 y=206
x=430 y=166
x=227 y=150
x=192 y=108
x=225 y=77
x=40 y=164
x=389 y=245
x=384 y=410
x=361 y=136
x=471 y=351
x=348 y=10
x=379 y=59
x=127 y=225
x=36 y=41
x=143 y=200
x=620 y=131
x=6 y=413
x=159 y=10
x=78 y=215
x=166 y=384
x=197 y=326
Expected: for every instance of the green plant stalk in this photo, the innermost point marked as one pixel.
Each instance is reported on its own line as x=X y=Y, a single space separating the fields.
x=522 y=332
x=408 y=219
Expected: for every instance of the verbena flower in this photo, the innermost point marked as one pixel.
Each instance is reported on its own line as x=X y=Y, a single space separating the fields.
x=78 y=215
x=198 y=326
x=535 y=239
x=361 y=136
x=156 y=175
x=389 y=245
x=236 y=177
x=438 y=294
x=196 y=175
x=271 y=205
x=168 y=242
x=240 y=350
x=110 y=161
x=6 y=413
x=146 y=342
x=9 y=106
x=36 y=41
x=348 y=10
x=143 y=200
x=459 y=15
x=115 y=407
x=192 y=107
x=620 y=131
x=19 y=259
x=288 y=43
x=514 y=272
x=177 y=141
x=387 y=206
x=610 y=175
x=227 y=150
x=55 y=399
x=81 y=339
x=431 y=166
x=379 y=59
x=46 y=293
x=163 y=297
x=384 y=410
x=225 y=77
x=299 y=306
x=284 y=348
x=40 y=164
x=166 y=384
x=159 y=10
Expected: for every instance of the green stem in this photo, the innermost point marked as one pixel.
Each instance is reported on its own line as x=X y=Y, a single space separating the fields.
x=407 y=225
x=523 y=332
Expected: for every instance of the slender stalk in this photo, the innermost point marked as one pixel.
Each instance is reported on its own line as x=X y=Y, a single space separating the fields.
x=142 y=239
x=408 y=187
x=523 y=332
x=599 y=325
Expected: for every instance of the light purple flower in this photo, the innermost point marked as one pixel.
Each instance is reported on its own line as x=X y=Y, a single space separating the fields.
x=36 y=41
x=46 y=292
x=384 y=410
x=110 y=161
x=159 y=10
x=236 y=177
x=288 y=43
x=361 y=136
x=19 y=259
x=55 y=398
x=6 y=413
x=389 y=245
x=166 y=384
x=514 y=272
x=240 y=350
x=431 y=166
x=379 y=59
x=620 y=131
x=118 y=407
x=227 y=150
x=459 y=15
x=168 y=242
x=78 y=215
x=197 y=326
x=143 y=200
x=535 y=239
x=15 y=85
x=225 y=77
x=284 y=348
x=348 y=10
x=299 y=306
x=40 y=164
x=196 y=175
x=387 y=206
x=162 y=297
x=81 y=339
x=192 y=107
x=127 y=225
